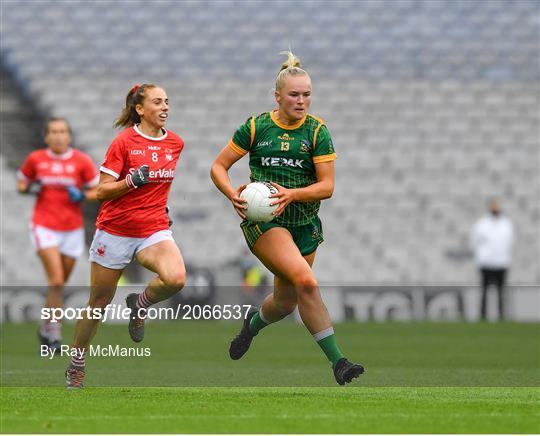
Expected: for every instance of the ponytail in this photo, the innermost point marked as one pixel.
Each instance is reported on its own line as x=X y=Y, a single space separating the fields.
x=129 y=116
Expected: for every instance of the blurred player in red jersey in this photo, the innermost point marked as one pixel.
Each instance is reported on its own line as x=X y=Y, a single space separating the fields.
x=134 y=185
x=61 y=178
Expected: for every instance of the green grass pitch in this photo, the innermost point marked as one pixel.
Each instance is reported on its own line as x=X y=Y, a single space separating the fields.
x=420 y=378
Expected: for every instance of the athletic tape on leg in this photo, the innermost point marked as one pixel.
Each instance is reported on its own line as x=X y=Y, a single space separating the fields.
x=323 y=334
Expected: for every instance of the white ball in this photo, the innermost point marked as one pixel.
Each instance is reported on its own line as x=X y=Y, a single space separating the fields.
x=257 y=195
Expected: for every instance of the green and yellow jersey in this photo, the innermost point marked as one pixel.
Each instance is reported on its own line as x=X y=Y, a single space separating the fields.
x=285 y=155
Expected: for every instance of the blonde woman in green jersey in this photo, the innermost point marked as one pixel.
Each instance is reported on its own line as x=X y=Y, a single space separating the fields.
x=292 y=150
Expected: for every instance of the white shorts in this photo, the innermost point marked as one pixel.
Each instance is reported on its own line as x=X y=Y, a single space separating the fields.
x=70 y=243
x=117 y=252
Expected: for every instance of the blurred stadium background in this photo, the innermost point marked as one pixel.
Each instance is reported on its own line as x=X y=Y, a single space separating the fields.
x=433 y=107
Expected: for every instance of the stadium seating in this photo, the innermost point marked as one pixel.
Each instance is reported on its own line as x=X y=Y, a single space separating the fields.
x=433 y=107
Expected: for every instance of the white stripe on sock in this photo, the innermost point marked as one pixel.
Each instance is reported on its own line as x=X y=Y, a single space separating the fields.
x=262 y=316
x=142 y=301
x=324 y=334
x=79 y=359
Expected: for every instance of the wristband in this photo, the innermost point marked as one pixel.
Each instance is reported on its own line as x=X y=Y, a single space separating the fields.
x=129 y=182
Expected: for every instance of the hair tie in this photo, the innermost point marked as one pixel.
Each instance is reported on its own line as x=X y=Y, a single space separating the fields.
x=136 y=88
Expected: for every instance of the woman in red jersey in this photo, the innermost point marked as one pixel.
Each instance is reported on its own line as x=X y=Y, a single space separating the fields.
x=134 y=185
x=61 y=178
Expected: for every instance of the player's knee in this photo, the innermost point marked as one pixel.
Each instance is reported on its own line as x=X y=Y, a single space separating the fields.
x=175 y=280
x=305 y=283
x=99 y=302
x=286 y=306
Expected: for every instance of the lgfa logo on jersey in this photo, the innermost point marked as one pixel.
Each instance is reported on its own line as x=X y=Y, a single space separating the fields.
x=262 y=144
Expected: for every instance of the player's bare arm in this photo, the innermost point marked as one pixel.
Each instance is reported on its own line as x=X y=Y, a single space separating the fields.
x=22 y=185
x=220 y=176
x=90 y=194
x=108 y=188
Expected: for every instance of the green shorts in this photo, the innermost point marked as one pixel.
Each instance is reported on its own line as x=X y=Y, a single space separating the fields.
x=306 y=237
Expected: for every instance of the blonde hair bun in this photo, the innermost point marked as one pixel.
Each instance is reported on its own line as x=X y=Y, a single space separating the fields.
x=291 y=67
x=291 y=62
